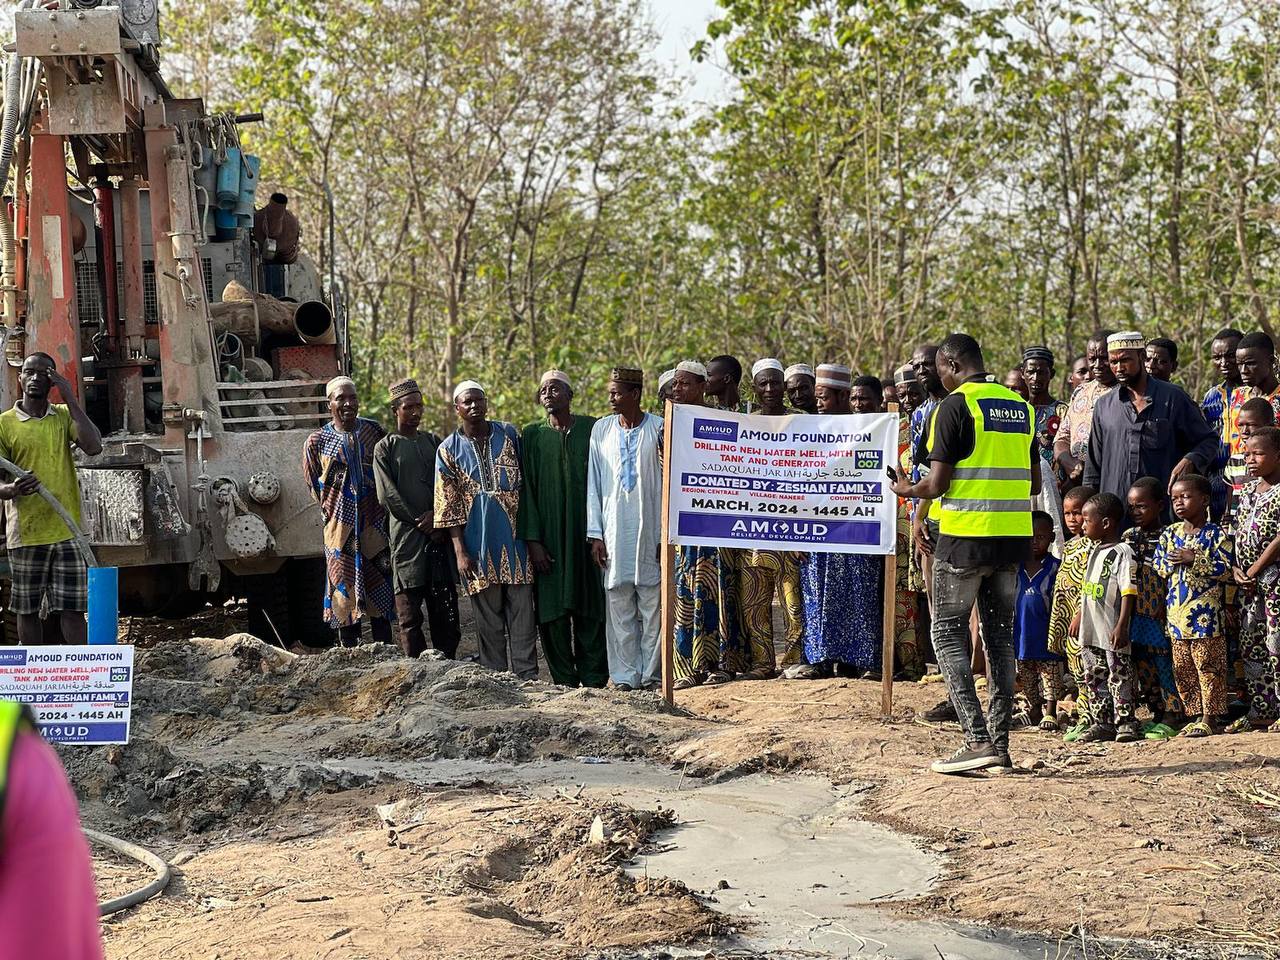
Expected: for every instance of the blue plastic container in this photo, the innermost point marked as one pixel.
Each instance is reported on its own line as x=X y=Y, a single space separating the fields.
x=248 y=186
x=229 y=180
x=224 y=225
x=104 y=604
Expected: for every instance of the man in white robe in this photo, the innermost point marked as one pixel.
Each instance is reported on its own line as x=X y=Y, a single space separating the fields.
x=624 y=527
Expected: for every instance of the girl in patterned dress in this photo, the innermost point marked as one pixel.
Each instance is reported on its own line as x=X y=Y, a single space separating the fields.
x=1257 y=571
x=1196 y=556
x=1066 y=599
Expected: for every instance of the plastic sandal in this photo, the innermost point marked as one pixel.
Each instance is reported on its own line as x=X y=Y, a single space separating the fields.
x=1197 y=729
x=1159 y=731
x=1240 y=725
x=1274 y=728
x=1049 y=725
x=717 y=676
x=1073 y=734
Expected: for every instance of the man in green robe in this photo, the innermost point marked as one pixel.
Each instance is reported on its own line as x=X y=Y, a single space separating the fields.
x=553 y=522
x=404 y=469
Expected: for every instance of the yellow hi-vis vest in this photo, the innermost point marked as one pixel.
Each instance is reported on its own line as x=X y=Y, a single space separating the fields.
x=14 y=718
x=990 y=492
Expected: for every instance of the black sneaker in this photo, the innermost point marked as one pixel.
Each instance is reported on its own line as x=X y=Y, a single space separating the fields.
x=1128 y=732
x=1004 y=766
x=942 y=713
x=979 y=756
x=1097 y=733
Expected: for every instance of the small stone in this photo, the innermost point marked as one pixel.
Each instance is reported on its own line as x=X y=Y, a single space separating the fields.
x=986 y=843
x=722 y=885
x=598 y=833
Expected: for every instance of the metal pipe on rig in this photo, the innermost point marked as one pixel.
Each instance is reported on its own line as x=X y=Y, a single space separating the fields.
x=313 y=320
x=132 y=352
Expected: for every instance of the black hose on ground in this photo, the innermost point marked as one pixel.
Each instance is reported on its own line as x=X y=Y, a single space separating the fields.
x=143 y=856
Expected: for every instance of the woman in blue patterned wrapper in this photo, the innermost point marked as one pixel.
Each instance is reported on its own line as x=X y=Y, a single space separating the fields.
x=708 y=642
x=842 y=606
x=337 y=462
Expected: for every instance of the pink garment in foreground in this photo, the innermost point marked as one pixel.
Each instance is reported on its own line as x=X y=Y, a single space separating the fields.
x=48 y=905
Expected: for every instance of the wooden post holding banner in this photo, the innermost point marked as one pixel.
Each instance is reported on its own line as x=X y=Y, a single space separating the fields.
x=667 y=560
x=890 y=602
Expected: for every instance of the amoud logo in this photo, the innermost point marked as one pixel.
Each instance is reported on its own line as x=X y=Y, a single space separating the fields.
x=1005 y=416
x=726 y=430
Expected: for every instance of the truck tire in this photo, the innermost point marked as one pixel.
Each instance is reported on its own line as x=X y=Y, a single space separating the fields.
x=305 y=585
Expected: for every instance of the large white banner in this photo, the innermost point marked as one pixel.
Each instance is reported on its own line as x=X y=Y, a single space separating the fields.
x=78 y=694
x=814 y=483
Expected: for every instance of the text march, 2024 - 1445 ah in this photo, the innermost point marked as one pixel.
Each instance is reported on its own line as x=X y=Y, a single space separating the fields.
x=813 y=483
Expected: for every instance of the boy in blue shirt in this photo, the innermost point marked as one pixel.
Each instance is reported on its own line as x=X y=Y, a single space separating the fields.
x=1039 y=670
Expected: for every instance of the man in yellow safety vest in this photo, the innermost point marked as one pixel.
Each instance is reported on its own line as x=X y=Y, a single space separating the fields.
x=982 y=447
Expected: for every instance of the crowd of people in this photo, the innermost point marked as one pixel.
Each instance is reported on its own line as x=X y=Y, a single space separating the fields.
x=1108 y=553
x=1114 y=555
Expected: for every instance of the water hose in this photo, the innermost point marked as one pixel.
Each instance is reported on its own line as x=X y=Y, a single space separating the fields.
x=143 y=856
x=77 y=535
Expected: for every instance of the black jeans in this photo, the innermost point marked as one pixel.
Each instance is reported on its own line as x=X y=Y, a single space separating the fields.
x=349 y=636
x=995 y=588
x=442 y=619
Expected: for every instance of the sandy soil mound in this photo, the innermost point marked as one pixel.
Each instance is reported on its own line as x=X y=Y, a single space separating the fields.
x=227 y=730
x=472 y=873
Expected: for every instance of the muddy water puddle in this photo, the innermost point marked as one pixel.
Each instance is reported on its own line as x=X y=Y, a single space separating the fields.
x=787 y=853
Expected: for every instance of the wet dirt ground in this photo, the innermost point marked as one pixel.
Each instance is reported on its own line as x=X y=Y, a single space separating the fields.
x=770 y=818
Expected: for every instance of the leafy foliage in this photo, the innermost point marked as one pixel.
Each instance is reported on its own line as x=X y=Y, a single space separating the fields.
x=518 y=185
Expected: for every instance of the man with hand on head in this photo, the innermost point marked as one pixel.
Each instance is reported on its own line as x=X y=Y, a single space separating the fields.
x=404 y=468
x=37 y=436
x=624 y=530
x=338 y=465
x=478 y=490
x=553 y=523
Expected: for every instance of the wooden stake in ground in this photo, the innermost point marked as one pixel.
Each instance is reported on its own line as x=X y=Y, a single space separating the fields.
x=890 y=604
x=668 y=565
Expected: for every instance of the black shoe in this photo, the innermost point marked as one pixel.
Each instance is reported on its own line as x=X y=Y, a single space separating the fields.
x=1128 y=732
x=1097 y=733
x=942 y=713
x=846 y=671
x=979 y=756
x=1004 y=766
